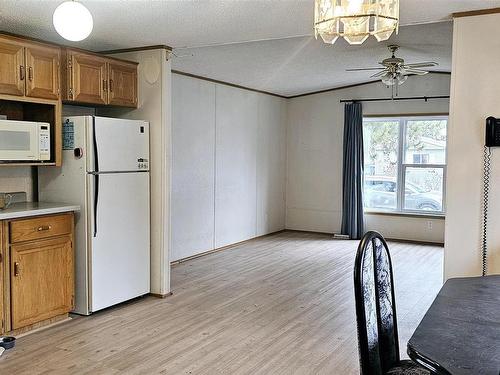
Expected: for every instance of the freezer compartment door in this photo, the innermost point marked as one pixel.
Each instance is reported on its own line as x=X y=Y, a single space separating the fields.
x=119 y=232
x=118 y=145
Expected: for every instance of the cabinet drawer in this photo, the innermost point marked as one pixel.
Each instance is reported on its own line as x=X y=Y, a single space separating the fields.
x=40 y=227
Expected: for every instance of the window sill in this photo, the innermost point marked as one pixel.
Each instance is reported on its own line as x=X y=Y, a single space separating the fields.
x=440 y=216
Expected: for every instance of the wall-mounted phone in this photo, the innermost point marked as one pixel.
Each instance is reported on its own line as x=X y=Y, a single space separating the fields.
x=492 y=139
x=492 y=132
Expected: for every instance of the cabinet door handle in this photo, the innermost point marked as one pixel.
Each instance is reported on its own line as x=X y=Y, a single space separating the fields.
x=105 y=85
x=22 y=73
x=42 y=228
x=110 y=85
x=30 y=73
x=17 y=269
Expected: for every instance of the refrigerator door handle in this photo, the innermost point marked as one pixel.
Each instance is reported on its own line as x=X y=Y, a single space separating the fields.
x=96 y=201
x=94 y=141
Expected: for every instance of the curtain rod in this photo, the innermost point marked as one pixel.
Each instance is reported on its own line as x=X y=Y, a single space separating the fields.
x=426 y=98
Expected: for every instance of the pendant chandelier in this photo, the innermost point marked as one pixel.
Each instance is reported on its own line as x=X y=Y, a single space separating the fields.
x=355 y=20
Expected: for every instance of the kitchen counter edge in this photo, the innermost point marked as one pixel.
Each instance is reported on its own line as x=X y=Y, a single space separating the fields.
x=29 y=209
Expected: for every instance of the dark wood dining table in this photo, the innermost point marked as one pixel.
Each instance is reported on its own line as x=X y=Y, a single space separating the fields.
x=460 y=333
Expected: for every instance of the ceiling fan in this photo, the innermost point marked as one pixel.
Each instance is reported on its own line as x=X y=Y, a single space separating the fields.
x=394 y=70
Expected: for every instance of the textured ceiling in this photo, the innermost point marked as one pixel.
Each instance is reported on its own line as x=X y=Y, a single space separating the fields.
x=293 y=64
x=298 y=65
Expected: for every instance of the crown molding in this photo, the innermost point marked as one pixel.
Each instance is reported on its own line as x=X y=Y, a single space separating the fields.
x=478 y=12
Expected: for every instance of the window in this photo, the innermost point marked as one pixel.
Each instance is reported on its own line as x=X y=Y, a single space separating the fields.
x=420 y=158
x=405 y=164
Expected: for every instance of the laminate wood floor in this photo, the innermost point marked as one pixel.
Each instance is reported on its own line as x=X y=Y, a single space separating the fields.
x=281 y=304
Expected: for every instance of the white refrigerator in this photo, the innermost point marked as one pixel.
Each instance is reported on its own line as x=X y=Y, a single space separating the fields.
x=106 y=171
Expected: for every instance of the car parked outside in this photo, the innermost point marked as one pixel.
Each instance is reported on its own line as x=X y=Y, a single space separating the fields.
x=380 y=193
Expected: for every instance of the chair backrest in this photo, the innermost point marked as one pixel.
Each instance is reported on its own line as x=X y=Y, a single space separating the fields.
x=375 y=306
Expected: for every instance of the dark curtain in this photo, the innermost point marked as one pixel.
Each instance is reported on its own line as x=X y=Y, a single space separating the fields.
x=352 y=175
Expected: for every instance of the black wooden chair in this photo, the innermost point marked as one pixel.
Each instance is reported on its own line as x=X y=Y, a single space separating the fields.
x=376 y=311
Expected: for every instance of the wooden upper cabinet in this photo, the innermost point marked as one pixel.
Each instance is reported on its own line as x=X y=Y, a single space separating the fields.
x=42 y=72
x=87 y=79
x=94 y=79
x=122 y=84
x=41 y=280
x=29 y=68
x=12 y=68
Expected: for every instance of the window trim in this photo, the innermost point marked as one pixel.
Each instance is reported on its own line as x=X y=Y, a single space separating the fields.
x=402 y=166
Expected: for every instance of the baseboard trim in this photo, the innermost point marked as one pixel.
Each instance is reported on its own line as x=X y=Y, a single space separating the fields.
x=309 y=231
x=159 y=295
x=416 y=242
x=227 y=247
x=402 y=240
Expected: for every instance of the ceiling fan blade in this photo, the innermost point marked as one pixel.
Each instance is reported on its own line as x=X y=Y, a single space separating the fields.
x=415 y=71
x=421 y=65
x=379 y=74
x=361 y=69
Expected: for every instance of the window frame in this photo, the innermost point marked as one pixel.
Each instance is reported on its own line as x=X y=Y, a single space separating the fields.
x=402 y=166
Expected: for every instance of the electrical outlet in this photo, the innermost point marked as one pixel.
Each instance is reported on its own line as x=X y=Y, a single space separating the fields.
x=429 y=224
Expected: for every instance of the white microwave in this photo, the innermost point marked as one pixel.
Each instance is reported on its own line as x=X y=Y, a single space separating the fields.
x=24 y=141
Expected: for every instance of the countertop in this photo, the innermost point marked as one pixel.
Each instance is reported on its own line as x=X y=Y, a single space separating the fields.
x=26 y=209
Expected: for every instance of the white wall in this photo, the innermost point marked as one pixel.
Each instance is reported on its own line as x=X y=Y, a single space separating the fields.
x=229 y=165
x=154 y=105
x=16 y=179
x=475 y=95
x=236 y=165
x=193 y=168
x=314 y=152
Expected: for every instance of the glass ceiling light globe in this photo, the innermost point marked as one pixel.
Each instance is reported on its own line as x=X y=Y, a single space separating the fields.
x=401 y=78
x=388 y=79
x=73 y=21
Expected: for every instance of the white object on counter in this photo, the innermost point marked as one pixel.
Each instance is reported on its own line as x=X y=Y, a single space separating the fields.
x=27 y=209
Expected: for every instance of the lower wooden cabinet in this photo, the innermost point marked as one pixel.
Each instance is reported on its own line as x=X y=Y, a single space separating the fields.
x=38 y=272
x=41 y=280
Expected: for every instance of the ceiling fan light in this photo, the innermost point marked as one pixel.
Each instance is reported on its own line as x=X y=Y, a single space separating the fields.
x=73 y=21
x=401 y=78
x=388 y=79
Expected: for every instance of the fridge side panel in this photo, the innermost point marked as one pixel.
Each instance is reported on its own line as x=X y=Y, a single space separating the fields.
x=68 y=184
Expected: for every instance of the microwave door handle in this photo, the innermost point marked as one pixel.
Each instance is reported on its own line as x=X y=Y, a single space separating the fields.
x=96 y=201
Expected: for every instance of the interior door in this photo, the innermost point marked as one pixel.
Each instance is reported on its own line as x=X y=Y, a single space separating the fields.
x=123 y=84
x=119 y=229
x=12 y=69
x=42 y=64
x=41 y=280
x=89 y=79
